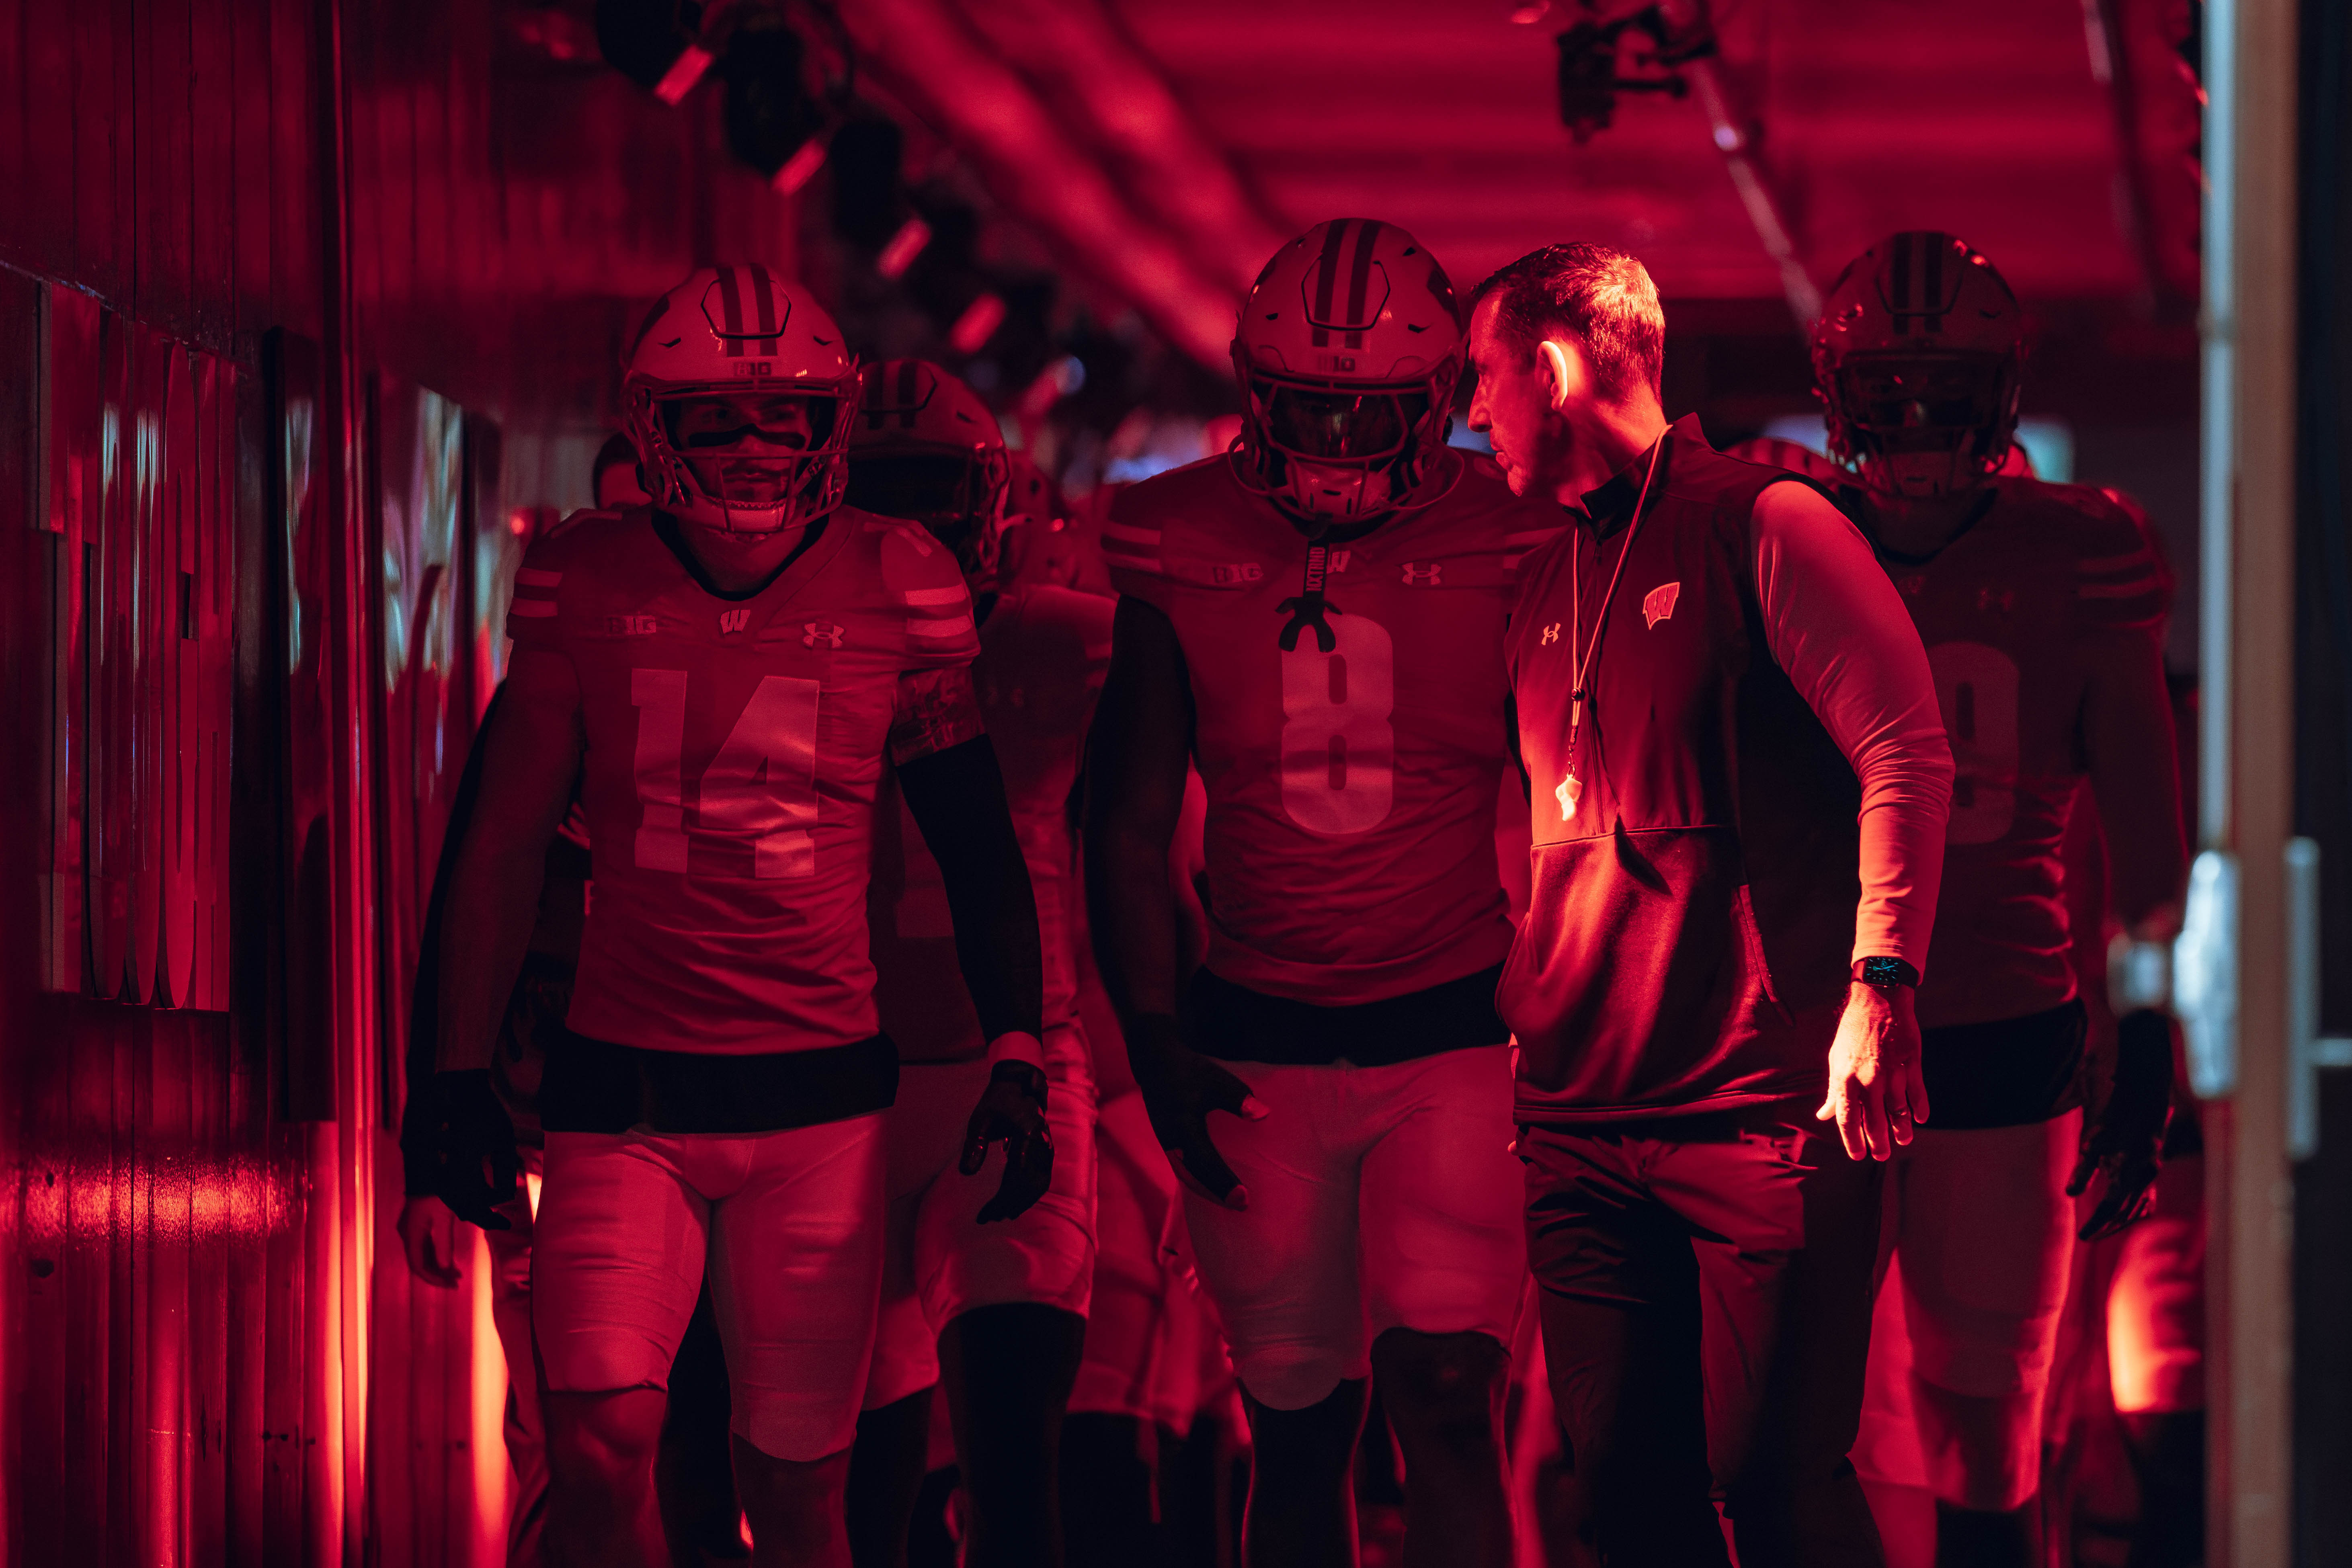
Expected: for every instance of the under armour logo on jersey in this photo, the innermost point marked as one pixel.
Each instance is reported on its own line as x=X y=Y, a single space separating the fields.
x=1550 y=636
x=1658 y=603
x=734 y=620
x=2001 y=599
x=816 y=632
x=1423 y=576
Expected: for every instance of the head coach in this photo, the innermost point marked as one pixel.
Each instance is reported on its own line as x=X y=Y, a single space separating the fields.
x=1731 y=741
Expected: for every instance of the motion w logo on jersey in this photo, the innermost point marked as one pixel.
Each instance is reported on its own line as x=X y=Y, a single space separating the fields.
x=731 y=621
x=1338 y=745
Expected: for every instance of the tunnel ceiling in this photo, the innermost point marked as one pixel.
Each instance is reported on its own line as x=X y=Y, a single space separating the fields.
x=1983 y=118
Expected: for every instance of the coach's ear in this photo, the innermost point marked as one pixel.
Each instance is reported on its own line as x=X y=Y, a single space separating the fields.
x=1567 y=379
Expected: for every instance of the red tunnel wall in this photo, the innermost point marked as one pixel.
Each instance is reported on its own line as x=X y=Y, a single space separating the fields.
x=209 y=1349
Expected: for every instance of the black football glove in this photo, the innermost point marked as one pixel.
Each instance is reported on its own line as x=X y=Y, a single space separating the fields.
x=1012 y=1111
x=474 y=1158
x=2128 y=1140
x=1180 y=1087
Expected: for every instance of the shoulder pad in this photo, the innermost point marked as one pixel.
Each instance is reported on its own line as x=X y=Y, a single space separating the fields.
x=2121 y=578
x=921 y=580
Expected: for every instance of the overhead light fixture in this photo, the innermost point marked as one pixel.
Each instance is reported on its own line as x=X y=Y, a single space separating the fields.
x=773 y=111
x=1589 y=52
x=654 y=43
x=786 y=93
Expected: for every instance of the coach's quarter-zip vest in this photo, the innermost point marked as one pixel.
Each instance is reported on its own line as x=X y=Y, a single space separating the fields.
x=1688 y=941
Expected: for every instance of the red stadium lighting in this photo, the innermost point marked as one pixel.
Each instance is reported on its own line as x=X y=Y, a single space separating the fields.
x=977 y=324
x=799 y=168
x=900 y=251
x=684 y=73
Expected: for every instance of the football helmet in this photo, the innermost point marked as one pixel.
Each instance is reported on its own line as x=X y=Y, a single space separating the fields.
x=1348 y=350
x=923 y=446
x=738 y=391
x=1916 y=360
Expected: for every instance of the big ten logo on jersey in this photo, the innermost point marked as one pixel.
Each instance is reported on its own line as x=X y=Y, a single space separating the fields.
x=1338 y=745
x=1976 y=688
x=630 y=625
x=1225 y=576
x=755 y=801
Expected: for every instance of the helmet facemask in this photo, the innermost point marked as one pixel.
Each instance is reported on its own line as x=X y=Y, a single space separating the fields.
x=1333 y=452
x=743 y=461
x=1923 y=424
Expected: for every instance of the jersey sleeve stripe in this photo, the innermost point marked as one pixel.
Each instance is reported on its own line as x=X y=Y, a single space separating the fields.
x=940 y=628
x=935 y=595
x=1131 y=561
x=1129 y=534
x=532 y=608
x=2106 y=565
x=532 y=577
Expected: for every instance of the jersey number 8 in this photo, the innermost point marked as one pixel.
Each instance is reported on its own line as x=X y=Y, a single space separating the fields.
x=1338 y=747
x=760 y=788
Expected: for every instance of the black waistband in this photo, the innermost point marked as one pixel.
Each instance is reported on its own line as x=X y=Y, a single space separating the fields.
x=2011 y=1072
x=1235 y=1024
x=594 y=1086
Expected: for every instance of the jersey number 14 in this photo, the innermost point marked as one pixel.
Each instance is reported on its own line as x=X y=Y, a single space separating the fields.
x=759 y=791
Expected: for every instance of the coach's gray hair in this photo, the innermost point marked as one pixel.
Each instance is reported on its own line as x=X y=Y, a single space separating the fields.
x=1603 y=298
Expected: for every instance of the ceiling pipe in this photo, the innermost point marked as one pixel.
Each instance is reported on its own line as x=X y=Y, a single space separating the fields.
x=930 y=58
x=1088 y=68
x=1766 y=209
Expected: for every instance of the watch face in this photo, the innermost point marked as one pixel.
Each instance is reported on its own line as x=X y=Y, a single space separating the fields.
x=1884 y=972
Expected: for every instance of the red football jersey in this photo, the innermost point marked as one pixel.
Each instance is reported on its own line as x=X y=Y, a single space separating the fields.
x=2013 y=613
x=1350 y=835
x=1043 y=654
x=735 y=751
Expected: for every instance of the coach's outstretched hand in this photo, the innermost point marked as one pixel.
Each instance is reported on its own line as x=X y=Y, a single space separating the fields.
x=2126 y=1142
x=473 y=1140
x=1877 y=1093
x=1012 y=1111
x=1180 y=1087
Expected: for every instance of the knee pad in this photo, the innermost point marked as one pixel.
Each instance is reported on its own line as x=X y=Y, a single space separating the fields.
x=1293 y=1375
x=798 y=1430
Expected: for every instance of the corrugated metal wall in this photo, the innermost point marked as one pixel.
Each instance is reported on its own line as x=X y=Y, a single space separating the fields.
x=398 y=241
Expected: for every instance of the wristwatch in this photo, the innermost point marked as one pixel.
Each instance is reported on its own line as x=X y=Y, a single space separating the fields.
x=1881 y=974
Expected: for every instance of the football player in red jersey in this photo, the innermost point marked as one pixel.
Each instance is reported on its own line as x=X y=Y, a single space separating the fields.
x=1317 y=618
x=2042 y=606
x=724 y=673
x=1000 y=1308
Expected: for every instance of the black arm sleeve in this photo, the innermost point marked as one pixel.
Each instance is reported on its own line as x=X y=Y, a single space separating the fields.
x=417 y=1114
x=958 y=798
x=566 y=861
